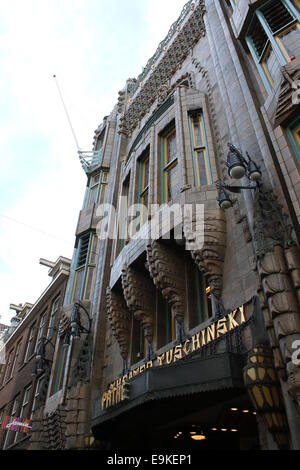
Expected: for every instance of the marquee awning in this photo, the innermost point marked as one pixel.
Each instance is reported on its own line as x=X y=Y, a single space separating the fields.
x=189 y=377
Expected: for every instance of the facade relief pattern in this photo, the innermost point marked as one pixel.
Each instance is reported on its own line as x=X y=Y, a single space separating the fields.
x=119 y=319
x=278 y=268
x=210 y=257
x=187 y=37
x=166 y=267
x=139 y=293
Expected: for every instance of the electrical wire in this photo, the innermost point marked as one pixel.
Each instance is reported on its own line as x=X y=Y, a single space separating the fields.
x=34 y=228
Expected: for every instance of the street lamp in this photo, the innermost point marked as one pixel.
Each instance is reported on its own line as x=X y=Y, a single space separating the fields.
x=76 y=326
x=40 y=356
x=238 y=167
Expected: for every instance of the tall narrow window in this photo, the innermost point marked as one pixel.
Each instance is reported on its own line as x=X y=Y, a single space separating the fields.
x=30 y=342
x=60 y=369
x=166 y=325
x=42 y=325
x=201 y=162
x=293 y=133
x=10 y=435
x=25 y=411
x=123 y=228
x=1 y=417
x=143 y=190
x=97 y=188
x=85 y=267
x=8 y=367
x=138 y=342
x=16 y=358
x=169 y=164
x=53 y=317
x=274 y=38
x=37 y=395
x=199 y=295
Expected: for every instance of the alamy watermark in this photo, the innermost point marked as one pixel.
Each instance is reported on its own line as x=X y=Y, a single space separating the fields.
x=184 y=223
x=296 y=353
x=296 y=93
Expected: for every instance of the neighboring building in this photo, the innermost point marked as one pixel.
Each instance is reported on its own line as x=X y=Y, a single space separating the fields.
x=154 y=338
x=23 y=380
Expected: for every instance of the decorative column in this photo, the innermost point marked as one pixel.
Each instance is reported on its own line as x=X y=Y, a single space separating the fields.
x=139 y=293
x=278 y=267
x=119 y=319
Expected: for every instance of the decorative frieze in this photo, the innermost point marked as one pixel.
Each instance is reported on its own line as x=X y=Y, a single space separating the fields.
x=161 y=73
x=166 y=267
x=139 y=293
x=119 y=319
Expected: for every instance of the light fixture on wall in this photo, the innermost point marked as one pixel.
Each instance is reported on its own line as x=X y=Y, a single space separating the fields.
x=76 y=325
x=238 y=167
x=40 y=356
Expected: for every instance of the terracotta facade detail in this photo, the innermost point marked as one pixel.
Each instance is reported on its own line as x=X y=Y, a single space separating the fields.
x=119 y=319
x=166 y=268
x=210 y=258
x=139 y=293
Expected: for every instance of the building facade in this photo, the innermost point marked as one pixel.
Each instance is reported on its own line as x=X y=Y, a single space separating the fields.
x=181 y=332
x=24 y=380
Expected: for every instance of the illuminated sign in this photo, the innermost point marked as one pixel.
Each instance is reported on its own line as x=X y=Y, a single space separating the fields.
x=16 y=424
x=117 y=391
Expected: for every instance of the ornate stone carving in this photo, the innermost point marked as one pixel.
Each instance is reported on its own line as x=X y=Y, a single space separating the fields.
x=286 y=105
x=119 y=319
x=281 y=299
x=81 y=370
x=210 y=258
x=139 y=293
x=294 y=383
x=271 y=227
x=292 y=256
x=167 y=270
x=173 y=57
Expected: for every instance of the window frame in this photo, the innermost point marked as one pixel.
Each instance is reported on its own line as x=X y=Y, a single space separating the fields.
x=6 y=375
x=36 y=393
x=17 y=354
x=100 y=188
x=53 y=315
x=86 y=267
x=124 y=214
x=294 y=139
x=202 y=148
x=30 y=342
x=58 y=376
x=26 y=396
x=13 y=414
x=143 y=189
x=273 y=41
x=167 y=166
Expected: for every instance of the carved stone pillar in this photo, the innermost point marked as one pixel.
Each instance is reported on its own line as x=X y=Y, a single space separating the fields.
x=139 y=293
x=209 y=255
x=166 y=267
x=119 y=319
x=281 y=298
x=292 y=256
x=278 y=267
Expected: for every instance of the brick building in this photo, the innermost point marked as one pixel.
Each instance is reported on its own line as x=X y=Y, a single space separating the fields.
x=23 y=380
x=183 y=340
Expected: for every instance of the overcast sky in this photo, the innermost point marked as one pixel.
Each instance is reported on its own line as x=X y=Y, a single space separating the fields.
x=92 y=46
